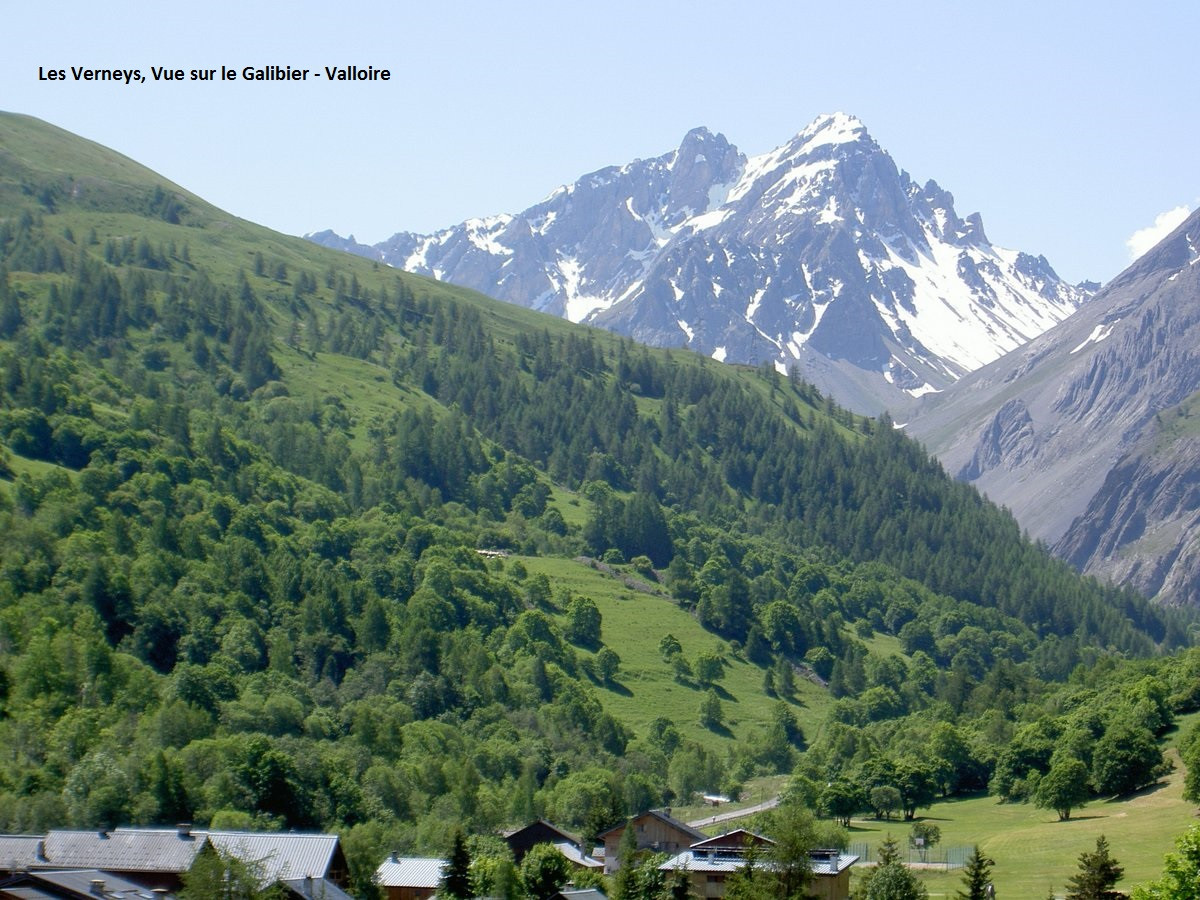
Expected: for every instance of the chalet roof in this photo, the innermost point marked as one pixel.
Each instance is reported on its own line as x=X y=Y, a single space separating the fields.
x=737 y=839
x=410 y=871
x=18 y=851
x=540 y=825
x=281 y=856
x=712 y=862
x=583 y=894
x=831 y=862
x=662 y=816
x=284 y=856
x=57 y=884
x=703 y=861
x=577 y=856
x=122 y=850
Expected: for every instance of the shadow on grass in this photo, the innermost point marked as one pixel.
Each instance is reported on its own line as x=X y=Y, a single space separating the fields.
x=1075 y=818
x=719 y=730
x=617 y=688
x=1140 y=792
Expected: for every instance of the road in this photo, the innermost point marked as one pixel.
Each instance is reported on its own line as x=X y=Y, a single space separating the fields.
x=735 y=814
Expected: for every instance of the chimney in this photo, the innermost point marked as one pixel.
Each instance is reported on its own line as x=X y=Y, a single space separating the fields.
x=395 y=856
x=97 y=886
x=184 y=830
x=41 y=849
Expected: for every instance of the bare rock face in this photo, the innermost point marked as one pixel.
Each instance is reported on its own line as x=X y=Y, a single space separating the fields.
x=1008 y=437
x=1141 y=528
x=820 y=254
x=1087 y=434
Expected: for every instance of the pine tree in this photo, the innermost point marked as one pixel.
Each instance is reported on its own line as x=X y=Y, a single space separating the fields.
x=1098 y=872
x=456 y=877
x=976 y=876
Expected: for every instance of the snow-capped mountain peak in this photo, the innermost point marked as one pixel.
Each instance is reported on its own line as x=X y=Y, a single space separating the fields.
x=820 y=253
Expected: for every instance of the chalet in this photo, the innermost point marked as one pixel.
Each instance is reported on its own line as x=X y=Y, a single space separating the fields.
x=656 y=831
x=306 y=866
x=409 y=877
x=522 y=840
x=74 y=884
x=710 y=862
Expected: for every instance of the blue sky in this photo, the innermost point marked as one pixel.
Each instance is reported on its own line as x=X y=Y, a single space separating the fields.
x=1069 y=126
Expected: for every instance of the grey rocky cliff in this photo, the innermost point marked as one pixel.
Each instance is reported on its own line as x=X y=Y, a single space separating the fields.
x=1068 y=431
x=1142 y=528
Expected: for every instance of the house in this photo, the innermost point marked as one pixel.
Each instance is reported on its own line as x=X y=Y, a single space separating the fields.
x=409 y=877
x=710 y=862
x=74 y=884
x=522 y=840
x=831 y=874
x=656 y=831
x=307 y=866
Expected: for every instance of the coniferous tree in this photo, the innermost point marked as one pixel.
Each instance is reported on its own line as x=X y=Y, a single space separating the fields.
x=976 y=876
x=456 y=877
x=1098 y=873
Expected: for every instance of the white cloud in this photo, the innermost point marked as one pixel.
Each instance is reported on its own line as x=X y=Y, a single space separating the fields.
x=1164 y=223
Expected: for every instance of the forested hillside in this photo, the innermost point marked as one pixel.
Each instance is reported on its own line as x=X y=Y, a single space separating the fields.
x=246 y=481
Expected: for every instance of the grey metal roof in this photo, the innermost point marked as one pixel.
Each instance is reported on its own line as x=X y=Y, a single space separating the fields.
x=80 y=881
x=410 y=871
x=18 y=851
x=823 y=862
x=28 y=893
x=831 y=862
x=584 y=894
x=701 y=861
x=577 y=856
x=283 y=856
x=122 y=850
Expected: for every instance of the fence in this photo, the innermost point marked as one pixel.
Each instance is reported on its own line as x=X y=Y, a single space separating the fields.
x=935 y=857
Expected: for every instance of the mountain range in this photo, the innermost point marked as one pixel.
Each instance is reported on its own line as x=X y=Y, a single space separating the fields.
x=820 y=255
x=1089 y=433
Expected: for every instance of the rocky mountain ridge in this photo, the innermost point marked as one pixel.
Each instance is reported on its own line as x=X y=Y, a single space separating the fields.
x=1088 y=433
x=820 y=254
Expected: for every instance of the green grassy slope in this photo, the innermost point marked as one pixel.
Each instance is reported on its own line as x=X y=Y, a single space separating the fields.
x=1035 y=853
x=634 y=621
x=246 y=478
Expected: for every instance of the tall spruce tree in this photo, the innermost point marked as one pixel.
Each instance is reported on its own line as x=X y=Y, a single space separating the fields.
x=976 y=876
x=1097 y=874
x=456 y=876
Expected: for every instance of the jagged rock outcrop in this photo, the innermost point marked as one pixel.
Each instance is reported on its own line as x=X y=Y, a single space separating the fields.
x=820 y=254
x=1142 y=528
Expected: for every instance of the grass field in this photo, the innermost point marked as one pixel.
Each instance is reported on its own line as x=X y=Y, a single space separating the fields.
x=633 y=624
x=1035 y=853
